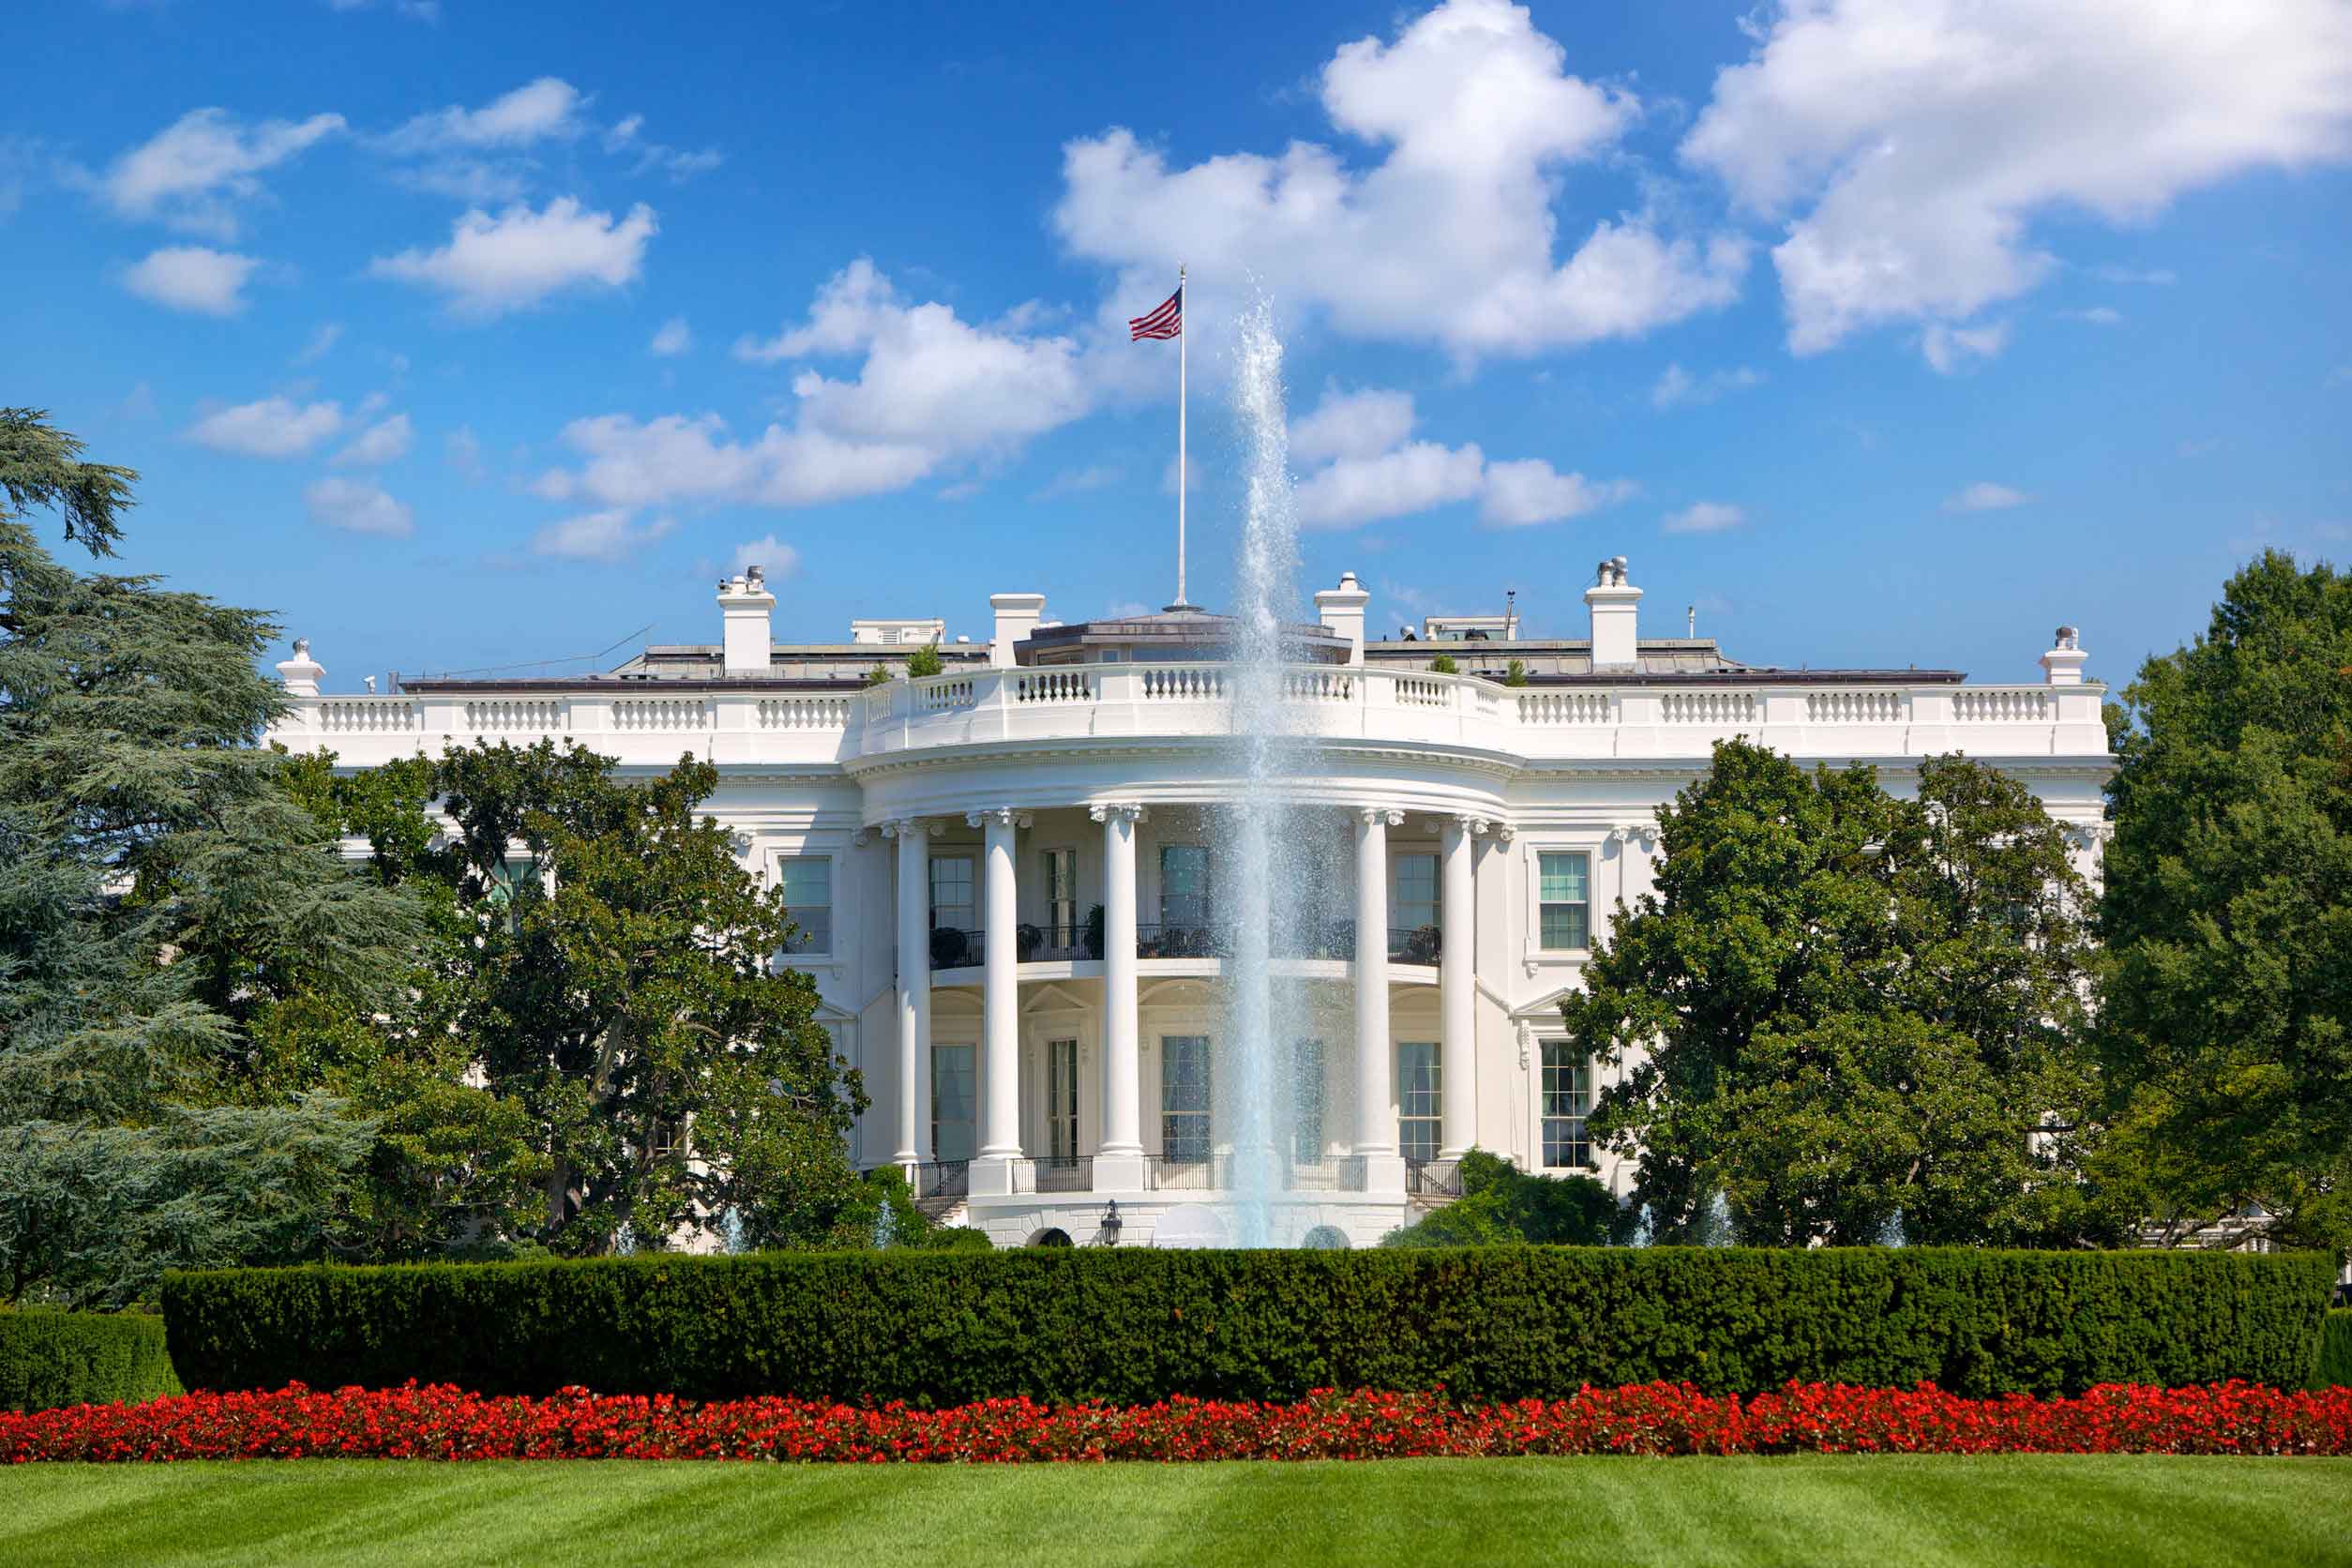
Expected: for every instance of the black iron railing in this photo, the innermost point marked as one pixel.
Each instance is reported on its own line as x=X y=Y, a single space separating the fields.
x=1433 y=1178
x=1065 y=1174
x=944 y=1179
x=1332 y=939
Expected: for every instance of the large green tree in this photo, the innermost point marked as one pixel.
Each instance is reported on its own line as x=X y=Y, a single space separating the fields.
x=1839 y=1009
x=159 y=889
x=2225 y=1009
x=605 y=977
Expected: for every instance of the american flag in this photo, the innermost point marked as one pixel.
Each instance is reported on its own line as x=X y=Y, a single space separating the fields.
x=1166 y=322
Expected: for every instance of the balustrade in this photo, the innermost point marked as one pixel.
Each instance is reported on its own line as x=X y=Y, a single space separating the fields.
x=1853 y=707
x=369 y=715
x=666 y=714
x=517 y=716
x=804 y=712
x=1708 y=707
x=2001 y=705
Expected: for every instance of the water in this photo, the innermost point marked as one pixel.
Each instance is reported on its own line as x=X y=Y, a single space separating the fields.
x=1269 y=862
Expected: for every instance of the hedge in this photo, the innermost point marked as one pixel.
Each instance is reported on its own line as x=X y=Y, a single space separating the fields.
x=2335 y=1370
x=1130 y=1327
x=49 y=1360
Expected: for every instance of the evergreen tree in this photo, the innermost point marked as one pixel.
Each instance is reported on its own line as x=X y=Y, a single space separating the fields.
x=1839 y=1008
x=159 y=889
x=2225 y=1010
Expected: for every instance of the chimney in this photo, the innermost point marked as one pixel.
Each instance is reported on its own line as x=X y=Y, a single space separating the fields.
x=2063 y=664
x=745 y=603
x=1614 y=603
x=1017 y=616
x=1341 y=608
x=301 y=673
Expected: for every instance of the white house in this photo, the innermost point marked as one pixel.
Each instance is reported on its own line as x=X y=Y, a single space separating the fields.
x=946 y=841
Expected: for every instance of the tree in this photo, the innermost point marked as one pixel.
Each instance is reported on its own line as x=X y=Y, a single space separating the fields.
x=608 y=972
x=924 y=661
x=1514 y=673
x=2225 y=1009
x=159 y=890
x=1443 y=665
x=1840 y=1010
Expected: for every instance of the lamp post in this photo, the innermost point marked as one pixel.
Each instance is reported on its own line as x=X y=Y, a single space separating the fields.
x=1111 y=1222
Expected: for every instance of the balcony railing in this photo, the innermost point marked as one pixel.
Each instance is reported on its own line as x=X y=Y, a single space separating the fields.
x=944 y=1179
x=1065 y=1174
x=645 y=724
x=1335 y=941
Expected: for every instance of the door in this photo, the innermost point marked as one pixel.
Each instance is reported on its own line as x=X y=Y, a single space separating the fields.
x=1184 y=1099
x=1062 y=1091
x=952 y=1101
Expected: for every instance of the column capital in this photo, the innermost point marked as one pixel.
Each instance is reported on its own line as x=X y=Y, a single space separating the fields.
x=909 y=827
x=1380 y=816
x=1643 y=833
x=1126 y=810
x=1002 y=816
x=1501 y=832
x=1473 y=824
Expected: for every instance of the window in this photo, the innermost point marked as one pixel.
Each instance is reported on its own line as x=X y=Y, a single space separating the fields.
x=1306 y=1103
x=951 y=893
x=1418 y=1091
x=1183 y=884
x=1185 y=1098
x=506 y=883
x=808 y=883
x=1566 y=896
x=1567 y=1098
x=1061 y=898
x=951 y=1102
x=1413 y=892
x=1061 y=1102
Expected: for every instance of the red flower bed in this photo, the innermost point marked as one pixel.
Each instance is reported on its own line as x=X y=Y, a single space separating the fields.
x=445 y=1423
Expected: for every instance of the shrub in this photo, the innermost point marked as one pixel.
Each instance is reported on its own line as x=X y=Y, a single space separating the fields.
x=2335 y=1370
x=1501 y=1203
x=442 y=1422
x=924 y=661
x=1443 y=665
x=1130 y=1326
x=52 y=1359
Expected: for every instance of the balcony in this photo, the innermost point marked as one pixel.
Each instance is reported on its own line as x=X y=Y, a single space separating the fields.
x=651 y=723
x=1327 y=941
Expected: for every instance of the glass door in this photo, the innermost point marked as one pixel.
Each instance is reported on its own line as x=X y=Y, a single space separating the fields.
x=1184 y=1099
x=951 y=1103
x=1062 y=1129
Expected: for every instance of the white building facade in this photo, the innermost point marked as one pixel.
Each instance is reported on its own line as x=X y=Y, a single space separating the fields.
x=1006 y=874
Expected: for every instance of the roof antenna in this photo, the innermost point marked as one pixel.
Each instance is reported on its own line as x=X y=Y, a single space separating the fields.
x=1691 y=619
x=1510 y=615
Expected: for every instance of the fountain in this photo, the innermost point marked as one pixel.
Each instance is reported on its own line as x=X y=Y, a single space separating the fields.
x=1268 y=835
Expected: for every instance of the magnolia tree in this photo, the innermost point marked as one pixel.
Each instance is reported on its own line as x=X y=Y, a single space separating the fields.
x=1848 y=1014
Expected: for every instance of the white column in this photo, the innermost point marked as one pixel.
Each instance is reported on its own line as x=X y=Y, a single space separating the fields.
x=1458 y=1000
x=1000 y=1168
x=1382 y=1167
x=1119 y=1165
x=914 y=989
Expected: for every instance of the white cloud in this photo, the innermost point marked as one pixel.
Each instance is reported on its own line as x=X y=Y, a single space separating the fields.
x=378 y=444
x=358 y=507
x=673 y=337
x=272 y=428
x=463 y=451
x=1371 y=470
x=520 y=258
x=2158 y=276
x=776 y=560
x=675 y=459
x=1704 y=517
x=547 y=108
x=1949 y=349
x=321 y=342
x=625 y=136
x=1911 y=144
x=2097 y=315
x=605 y=536
x=1412 y=478
x=191 y=278
x=1450 y=237
x=1360 y=424
x=1078 y=481
x=192 y=175
x=1985 y=496
x=1678 y=388
x=1531 y=492
x=928 y=378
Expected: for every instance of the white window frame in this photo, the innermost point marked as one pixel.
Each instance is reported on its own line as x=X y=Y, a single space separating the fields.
x=1592 y=1093
x=1434 y=1116
x=1534 y=942
x=1045 y=882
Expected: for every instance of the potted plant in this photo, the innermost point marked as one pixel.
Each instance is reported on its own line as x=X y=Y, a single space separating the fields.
x=1094 y=932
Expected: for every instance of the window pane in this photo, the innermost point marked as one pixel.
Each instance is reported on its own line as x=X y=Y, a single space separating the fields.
x=1567 y=1100
x=951 y=1103
x=808 y=883
x=1416 y=892
x=1418 y=1099
x=1565 y=879
x=951 y=893
x=1185 y=1098
x=1566 y=926
x=1306 y=1103
x=1183 y=884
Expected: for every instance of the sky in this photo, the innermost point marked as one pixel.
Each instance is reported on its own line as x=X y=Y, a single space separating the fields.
x=1872 y=332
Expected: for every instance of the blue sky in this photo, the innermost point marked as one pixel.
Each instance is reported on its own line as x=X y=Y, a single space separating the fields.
x=465 y=335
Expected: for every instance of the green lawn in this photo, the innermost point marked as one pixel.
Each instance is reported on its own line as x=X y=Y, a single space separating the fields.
x=1875 y=1511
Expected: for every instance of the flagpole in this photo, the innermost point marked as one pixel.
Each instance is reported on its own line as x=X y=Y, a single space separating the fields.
x=1182 y=337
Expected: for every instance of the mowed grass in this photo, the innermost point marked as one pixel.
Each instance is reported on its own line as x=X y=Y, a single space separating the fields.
x=1811 y=1509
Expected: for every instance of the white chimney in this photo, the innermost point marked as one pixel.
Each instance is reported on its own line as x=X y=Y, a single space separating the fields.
x=745 y=603
x=1615 y=604
x=2063 y=664
x=1341 y=608
x=1017 y=616
x=301 y=672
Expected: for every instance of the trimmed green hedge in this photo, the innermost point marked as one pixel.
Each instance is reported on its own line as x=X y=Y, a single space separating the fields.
x=49 y=1360
x=1135 y=1326
x=2335 y=1353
